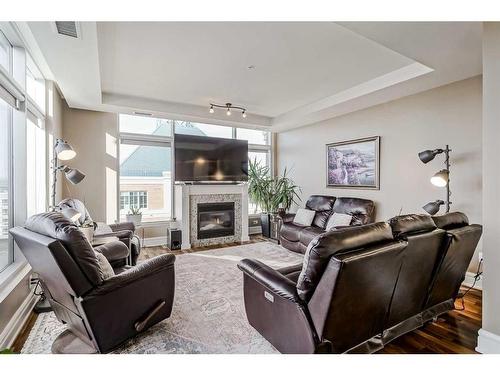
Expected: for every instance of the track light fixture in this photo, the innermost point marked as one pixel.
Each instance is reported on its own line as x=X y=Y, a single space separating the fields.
x=440 y=179
x=228 y=107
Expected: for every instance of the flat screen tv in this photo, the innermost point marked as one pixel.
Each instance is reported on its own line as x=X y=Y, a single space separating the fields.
x=206 y=159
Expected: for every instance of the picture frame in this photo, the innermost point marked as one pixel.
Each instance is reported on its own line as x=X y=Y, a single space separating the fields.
x=354 y=164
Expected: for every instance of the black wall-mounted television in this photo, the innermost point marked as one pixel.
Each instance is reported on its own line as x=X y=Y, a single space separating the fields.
x=206 y=159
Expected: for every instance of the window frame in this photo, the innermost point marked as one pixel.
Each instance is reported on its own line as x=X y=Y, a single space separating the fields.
x=130 y=193
x=10 y=187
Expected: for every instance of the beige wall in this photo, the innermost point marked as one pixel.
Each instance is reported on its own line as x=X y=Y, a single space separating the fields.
x=491 y=183
x=94 y=137
x=446 y=115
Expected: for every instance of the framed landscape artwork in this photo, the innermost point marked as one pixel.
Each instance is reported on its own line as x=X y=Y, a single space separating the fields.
x=353 y=164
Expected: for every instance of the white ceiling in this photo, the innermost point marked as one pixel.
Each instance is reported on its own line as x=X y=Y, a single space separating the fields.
x=304 y=72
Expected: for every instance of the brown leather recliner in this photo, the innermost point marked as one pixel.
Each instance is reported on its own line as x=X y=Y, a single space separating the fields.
x=297 y=237
x=360 y=287
x=124 y=231
x=421 y=256
x=103 y=313
x=460 y=242
x=339 y=300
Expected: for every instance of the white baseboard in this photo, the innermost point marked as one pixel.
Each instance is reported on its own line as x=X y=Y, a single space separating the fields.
x=487 y=342
x=155 y=241
x=469 y=280
x=17 y=322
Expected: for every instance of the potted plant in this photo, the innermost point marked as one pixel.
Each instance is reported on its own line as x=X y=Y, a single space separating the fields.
x=134 y=215
x=272 y=194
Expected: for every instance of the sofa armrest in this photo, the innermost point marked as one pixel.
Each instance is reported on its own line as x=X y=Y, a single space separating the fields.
x=270 y=278
x=288 y=218
x=141 y=271
x=122 y=226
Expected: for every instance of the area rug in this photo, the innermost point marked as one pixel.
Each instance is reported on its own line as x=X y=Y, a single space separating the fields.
x=208 y=315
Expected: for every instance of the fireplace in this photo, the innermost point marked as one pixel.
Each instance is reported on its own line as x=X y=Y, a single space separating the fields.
x=215 y=220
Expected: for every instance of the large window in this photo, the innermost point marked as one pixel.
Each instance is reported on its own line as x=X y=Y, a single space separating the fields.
x=6 y=249
x=36 y=166
x=194 y=128
x=35 y=86
x=146 y=160
x=146 y=167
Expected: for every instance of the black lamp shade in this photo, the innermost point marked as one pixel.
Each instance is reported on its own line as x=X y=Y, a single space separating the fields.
x=432 y=208
x=74 y=175
x=428 y=155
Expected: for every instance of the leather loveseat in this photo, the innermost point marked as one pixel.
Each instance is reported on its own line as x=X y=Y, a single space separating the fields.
x=100 y=310
x=297 y=237
x=360 y=287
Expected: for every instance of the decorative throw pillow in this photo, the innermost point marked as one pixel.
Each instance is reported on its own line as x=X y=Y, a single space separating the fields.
x=107 y=270
x=304 y=217
x=338 y=220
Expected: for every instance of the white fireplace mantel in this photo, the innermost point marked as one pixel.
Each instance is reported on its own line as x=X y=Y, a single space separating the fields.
x=183 y=211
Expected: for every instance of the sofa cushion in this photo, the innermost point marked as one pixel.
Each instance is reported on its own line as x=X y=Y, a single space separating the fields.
x=306 y=235
x=55 y=225
x=113 y=250
x=361 y=210
x=291 y=231
x=411 y=224
x=330 y=243
x=451 y=220
x=291 y=272
x=106 y=269
x=304 y=217
x=338 y=220
x=323 y=205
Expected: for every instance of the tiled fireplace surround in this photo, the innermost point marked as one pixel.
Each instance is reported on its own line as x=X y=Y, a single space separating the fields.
x=186 y=210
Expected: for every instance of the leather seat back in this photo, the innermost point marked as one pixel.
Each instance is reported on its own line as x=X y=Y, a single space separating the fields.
x=460 y=244
x=421 y=257
x=54 y=225
x=323 y=205
x=361 y=210
x=324 y=246
x=351 y=300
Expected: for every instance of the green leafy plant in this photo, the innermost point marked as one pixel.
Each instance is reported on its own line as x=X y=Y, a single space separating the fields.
x=134 y=210
x=6 y=351
x=271 y=193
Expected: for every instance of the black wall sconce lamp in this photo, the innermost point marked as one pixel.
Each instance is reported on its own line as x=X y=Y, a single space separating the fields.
x=440 y=179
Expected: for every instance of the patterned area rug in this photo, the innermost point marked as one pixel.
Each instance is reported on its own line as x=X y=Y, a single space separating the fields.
x=208 y=314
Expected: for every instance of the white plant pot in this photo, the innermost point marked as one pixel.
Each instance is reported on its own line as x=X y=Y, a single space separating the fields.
x=136 y=219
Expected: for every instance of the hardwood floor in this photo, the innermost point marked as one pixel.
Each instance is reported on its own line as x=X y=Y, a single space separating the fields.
x=454 y=332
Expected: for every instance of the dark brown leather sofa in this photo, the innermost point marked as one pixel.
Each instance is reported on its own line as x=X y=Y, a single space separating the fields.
x=297 y=237
x=358 y=288
x=102 y=313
